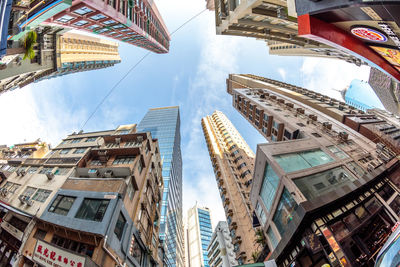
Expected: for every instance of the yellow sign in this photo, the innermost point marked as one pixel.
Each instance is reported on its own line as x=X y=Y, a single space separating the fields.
x=391 y=55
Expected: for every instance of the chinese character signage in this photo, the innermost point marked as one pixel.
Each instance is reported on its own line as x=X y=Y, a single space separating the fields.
x=52 y=256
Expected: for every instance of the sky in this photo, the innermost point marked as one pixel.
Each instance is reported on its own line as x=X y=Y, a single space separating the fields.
x=192 y=75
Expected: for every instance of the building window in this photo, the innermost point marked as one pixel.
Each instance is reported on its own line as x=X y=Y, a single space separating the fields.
x=62 y=171
x=91 y=139
x=123 y=160
x=272 y=237
x=32 y=169
x=107 y=22
x=41 y=195
x=95 y=162
x=64 y=151
x=119 y=226
x=91 y=27
x=46 y=170
x=11 y=187
x=77 y=140
x=260 y=214
x=65 y=19
x=269 y=187
x=302 y=160
x=29 y=191
x=337 y=152
x=81 y=23
x=62 y=204
x=98 y=17
x=81 y=248
x=40 y=234
x=140 y=166
x=92 y=209
x=80 y=150
x=241 y=165
x=321 y=183
x=83 y=10
x=284 y=212
x=245 y=173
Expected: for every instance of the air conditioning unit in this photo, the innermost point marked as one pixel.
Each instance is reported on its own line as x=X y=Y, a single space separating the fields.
x=22 y=199
x=118 y=140
x=29 y=201
x=4 y=192
x=109 y=174
x=93 y=173
x=22 y=172
x=50 y=175
x=18 y=172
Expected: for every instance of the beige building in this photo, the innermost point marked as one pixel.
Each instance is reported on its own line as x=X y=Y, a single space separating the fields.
x=322 y=191
x=12 y=156
x=91 y=194
x=233 y=162
x=58 y=53
x=271 y=21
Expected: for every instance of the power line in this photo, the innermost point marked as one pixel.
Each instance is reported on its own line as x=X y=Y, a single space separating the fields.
x=131 y=69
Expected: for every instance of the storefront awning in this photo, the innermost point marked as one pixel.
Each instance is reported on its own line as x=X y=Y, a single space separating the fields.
x=15 y=210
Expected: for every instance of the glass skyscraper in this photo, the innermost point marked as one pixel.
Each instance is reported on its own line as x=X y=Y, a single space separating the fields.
x=199 y=232
x=164 y=124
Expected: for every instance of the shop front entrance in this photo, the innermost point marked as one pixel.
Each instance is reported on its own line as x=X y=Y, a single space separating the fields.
x=9 y=246
x=363 y=244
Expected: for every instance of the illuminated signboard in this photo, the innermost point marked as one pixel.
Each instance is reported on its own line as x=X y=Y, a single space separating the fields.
x=369 y=34
x=52 y=256
x=391 y=55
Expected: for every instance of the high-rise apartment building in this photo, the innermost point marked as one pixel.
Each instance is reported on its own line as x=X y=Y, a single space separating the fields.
x=323 y=193
x=57 y=54
x=94 y=200
x=164 y=124
x=387 y=89
x=233 y=163
x=270 y=21
x=199 y=231
x=272 y=126
x=137 y=22
x=220 y=250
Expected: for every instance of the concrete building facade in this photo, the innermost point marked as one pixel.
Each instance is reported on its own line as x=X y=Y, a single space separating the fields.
x=232 y=161
x=94 y=200
x=58 y=53
x=387 y=89
x=271 y=21
x=322 y=192
x=220 y=251
x=199 y=231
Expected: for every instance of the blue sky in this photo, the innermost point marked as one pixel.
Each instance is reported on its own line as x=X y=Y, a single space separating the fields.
x=192 y=76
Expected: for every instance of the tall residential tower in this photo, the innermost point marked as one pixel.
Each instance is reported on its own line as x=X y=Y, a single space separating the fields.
x=164 y=124
x=233 y=163
x=199 y=231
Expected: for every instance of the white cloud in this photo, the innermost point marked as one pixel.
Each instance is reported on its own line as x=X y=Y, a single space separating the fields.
x=29 y=113
x=327 y=76
x=282 y=72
